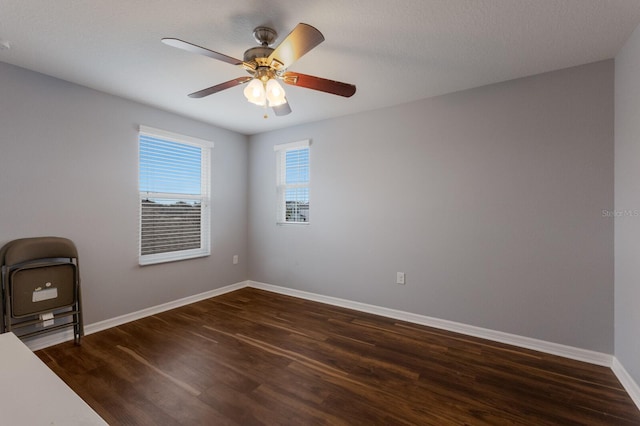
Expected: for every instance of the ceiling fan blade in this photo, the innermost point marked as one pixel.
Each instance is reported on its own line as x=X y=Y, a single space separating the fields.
x=283 y=109
x=219 y=87
x=189 y=47
x=301 y=40
x=322 y=84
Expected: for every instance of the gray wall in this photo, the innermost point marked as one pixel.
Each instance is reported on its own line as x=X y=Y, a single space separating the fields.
x=490 y=200
x=68 y=167
x=627 y=195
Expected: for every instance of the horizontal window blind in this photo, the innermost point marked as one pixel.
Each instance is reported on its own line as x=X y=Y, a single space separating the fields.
x=174 y=197
x=169 y=166
x=293 y=177
x=170 y=225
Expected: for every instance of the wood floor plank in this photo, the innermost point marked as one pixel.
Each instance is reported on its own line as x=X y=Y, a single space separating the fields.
x=252 y=357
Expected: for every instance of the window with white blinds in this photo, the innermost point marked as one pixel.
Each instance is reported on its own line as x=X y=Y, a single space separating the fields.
x=174 y=184
x=293 y=173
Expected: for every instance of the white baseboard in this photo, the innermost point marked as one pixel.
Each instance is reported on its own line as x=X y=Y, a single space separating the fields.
x=123 y=319
x=592 y=357
x=498 y=336
x=570 y=352
x=578 y=354
x=627 y=381
x=55 y=338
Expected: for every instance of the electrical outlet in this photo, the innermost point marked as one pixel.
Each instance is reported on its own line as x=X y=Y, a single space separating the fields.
x=235 y=259
x=400 y=278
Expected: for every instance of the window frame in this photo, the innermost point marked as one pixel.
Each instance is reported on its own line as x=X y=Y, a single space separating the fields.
x=281 y=185
x=206 y=154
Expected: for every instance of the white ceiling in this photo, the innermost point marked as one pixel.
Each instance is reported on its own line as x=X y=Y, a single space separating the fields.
x=393 y=51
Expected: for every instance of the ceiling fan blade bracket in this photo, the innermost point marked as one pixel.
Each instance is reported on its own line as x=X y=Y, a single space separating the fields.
x=289 y=78
x=276 y=65
x=249 y=66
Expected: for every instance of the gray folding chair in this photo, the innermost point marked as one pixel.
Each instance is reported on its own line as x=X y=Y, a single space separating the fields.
x=40 y=287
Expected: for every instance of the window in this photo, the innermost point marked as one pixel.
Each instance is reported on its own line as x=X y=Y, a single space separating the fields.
x=292 y=164
x=174 y=196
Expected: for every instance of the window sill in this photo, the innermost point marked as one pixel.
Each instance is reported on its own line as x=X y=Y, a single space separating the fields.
x=171 y=257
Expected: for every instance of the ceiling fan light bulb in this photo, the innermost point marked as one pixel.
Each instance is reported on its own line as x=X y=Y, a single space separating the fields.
x=275 y=93
x=254 y=92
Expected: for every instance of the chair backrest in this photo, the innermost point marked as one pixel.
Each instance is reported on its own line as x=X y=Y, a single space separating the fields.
x=26 y=249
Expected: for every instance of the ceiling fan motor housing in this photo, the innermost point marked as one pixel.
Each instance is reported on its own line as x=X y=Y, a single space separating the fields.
x=259 y=54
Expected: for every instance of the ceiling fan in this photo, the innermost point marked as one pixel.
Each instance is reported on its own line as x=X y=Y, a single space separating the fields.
x=266 y=66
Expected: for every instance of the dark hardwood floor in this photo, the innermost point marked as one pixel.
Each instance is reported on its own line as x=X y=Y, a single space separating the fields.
x=254 y=357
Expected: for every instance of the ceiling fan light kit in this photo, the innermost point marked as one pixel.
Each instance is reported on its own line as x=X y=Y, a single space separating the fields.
x=275 y=93
x=267 y=65
x=255 y=93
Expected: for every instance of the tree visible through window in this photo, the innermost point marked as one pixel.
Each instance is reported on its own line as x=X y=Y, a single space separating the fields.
x=174 y=196
x=293 y=182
